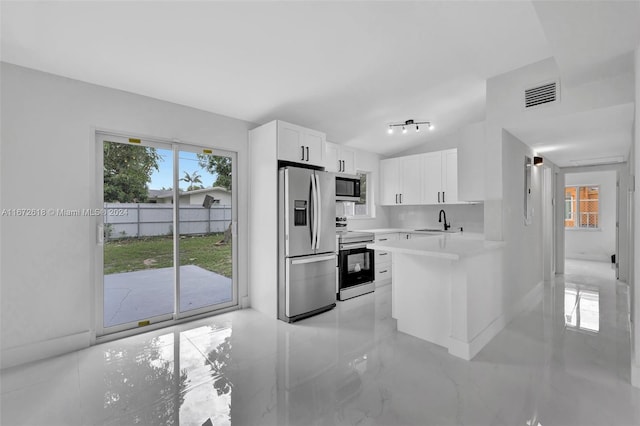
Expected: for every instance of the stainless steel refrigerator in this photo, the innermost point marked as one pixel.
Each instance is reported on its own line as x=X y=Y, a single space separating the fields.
x=307 y=243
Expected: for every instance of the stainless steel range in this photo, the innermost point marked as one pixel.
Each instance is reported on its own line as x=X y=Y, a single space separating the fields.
x=355 y=264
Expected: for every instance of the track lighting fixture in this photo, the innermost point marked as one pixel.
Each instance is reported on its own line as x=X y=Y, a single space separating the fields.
x=409 y=123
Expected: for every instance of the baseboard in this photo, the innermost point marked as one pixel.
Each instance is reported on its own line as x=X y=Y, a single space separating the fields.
x=467 y=350
x=635 y=375
x=24 y=354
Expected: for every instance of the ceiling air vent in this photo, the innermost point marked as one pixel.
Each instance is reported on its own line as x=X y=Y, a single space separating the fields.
x=539 y=95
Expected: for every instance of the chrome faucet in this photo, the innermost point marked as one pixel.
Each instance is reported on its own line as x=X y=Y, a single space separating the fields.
x=446 y=225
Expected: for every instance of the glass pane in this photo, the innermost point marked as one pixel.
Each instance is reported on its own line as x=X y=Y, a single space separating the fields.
x=570 y=194
x=589 y=206
x=361 y=207
x=205 y=245
x=138 y=233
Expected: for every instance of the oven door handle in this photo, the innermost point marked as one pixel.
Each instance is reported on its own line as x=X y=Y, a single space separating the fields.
x=354 y=246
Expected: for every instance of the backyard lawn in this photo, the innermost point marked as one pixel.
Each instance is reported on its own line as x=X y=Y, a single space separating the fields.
x=134 y=254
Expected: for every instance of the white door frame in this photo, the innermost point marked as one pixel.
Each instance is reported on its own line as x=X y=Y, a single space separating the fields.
x=175 y=146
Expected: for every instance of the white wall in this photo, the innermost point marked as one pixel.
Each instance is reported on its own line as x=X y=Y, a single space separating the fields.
x=505 y=111
x=594 y=244
x=48 y=140
x=635 y=241
x=523 y=268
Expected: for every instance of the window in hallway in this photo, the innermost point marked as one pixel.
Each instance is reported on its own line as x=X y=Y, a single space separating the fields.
x=581 y=207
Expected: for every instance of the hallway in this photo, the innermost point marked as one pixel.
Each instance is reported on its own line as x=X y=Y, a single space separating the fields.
x=550 y=366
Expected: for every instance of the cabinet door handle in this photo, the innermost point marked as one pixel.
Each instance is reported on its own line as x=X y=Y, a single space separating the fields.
x=383 y=239
x=443 y=196
x=307 y=153
x=302 y=147
x=383 y=254
x=343 y=165
x=396 y=198
x=438 y=196
x=400 y=198
x=383 y=272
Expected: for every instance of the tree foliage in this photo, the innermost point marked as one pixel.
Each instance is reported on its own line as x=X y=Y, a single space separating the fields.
x=193 y=180
x=220 y=166
x=127 y=172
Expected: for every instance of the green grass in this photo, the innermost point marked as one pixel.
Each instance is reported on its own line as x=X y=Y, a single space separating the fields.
x=135 y=254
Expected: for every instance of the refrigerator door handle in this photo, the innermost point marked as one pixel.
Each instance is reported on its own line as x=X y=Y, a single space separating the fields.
x=314 y=211
x=319 y=204
x=314 y=259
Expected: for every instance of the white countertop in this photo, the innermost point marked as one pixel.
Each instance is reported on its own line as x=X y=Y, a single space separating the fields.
x=443 y=246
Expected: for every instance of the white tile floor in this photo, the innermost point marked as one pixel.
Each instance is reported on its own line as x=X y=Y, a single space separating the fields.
x=550 y=366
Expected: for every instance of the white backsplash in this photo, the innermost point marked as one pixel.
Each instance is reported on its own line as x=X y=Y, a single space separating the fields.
x=468 y=216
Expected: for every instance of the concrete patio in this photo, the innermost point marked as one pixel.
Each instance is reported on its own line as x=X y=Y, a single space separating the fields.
x=135 y=296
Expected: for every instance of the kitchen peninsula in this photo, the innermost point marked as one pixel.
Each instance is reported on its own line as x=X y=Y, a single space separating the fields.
x=447 y=289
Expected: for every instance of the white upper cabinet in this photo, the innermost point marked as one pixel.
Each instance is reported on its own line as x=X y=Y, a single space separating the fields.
x=339 y=159
x=390 y=181
x=450 y=176
x=300 y=145
x=432 y=163
x=412 y=180
x=401 y=180
x=430 y=178
x=441 y=177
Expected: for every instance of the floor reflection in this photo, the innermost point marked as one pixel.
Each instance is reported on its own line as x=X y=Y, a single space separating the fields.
x=564 y=361
x=170 y=382
x=581 y=308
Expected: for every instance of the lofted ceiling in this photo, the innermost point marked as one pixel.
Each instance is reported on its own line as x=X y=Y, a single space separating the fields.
x=346 y=68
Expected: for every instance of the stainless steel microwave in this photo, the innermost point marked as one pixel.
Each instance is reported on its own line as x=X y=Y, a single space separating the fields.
x=347 y=188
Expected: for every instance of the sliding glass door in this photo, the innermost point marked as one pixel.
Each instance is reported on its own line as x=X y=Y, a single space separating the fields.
x=205 y=229
x=166 y=246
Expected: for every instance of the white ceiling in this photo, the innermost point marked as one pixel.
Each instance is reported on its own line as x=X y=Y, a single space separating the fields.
x=597 y=136
x=346 y=68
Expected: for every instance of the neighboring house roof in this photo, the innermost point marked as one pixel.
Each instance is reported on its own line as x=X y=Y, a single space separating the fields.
x=160 y=193
x=169 y=193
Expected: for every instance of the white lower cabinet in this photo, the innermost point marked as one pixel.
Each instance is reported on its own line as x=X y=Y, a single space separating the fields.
x=383 y=259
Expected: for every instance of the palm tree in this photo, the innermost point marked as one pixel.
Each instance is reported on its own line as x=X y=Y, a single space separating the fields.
x=192 y=179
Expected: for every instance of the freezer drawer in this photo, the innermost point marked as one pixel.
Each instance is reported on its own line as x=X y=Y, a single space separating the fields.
x=309 y=284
